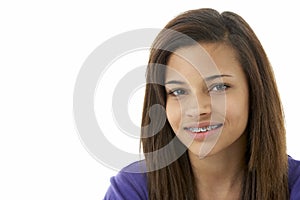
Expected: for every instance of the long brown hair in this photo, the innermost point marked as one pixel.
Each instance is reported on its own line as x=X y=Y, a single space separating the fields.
x=266 y=171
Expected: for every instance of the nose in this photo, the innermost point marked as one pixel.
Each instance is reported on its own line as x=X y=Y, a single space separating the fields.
x=198 y=106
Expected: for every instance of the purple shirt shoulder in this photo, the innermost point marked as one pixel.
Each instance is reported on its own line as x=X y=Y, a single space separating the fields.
x=294 y=179
x=131 y=182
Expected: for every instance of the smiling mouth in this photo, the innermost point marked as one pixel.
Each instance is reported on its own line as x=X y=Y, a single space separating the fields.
x=203 y=129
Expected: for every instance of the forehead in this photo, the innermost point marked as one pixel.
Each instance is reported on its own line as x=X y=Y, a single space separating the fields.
x=205 y=60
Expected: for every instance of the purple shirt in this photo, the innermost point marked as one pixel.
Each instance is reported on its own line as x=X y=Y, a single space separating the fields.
x=133 y=186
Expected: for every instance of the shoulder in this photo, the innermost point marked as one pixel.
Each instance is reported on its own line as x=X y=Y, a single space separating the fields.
x=130 y=183
x=294 y=178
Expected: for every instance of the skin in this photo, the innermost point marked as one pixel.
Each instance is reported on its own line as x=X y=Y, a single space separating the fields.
x=218 y=158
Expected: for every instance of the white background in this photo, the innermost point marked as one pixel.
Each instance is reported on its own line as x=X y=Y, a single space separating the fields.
x=42 y=47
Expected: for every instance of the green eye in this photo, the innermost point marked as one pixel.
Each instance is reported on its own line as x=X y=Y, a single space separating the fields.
x=177 y=92
x=220 y=87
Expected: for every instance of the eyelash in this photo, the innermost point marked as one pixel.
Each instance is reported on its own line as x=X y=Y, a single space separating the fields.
x=172 y=92
x=211 y=89
x=223 y=85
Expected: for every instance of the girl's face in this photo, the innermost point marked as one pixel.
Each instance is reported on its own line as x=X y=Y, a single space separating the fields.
x=207 y=102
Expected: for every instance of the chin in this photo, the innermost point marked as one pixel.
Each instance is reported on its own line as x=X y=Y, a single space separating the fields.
x=201 y=151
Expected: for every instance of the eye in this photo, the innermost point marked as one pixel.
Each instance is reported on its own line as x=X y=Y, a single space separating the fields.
x=177 y=92
x=219 y=87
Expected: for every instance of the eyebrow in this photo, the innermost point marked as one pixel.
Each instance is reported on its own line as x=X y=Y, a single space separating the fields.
x=210 y=78
x=175 y=82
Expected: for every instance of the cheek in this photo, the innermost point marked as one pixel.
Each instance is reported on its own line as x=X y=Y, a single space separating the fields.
x=237 y=112
x=173 y=114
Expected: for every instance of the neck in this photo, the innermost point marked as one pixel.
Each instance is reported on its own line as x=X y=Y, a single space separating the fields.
x=221 y=172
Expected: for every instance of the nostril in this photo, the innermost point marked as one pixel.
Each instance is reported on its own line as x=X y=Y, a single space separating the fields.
x=199 y=104
x=196 y=112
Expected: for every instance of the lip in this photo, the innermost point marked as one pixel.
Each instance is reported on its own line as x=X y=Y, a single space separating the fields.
x=201 y=136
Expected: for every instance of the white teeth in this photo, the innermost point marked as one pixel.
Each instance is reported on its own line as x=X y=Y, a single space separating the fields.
x=203 y=129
